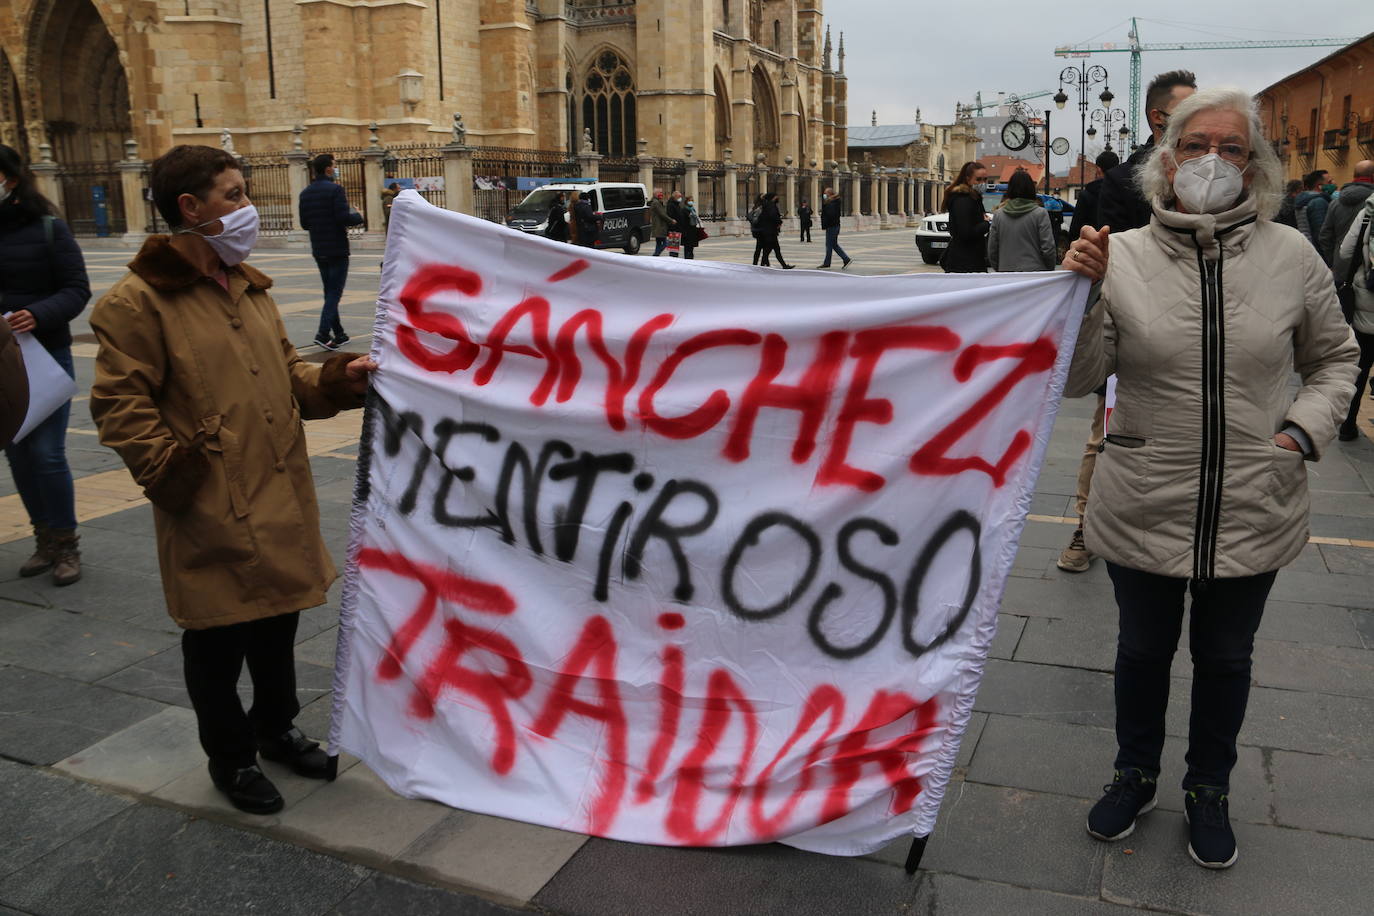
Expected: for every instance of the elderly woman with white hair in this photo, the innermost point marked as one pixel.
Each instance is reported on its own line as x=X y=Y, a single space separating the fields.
x=1201 y=488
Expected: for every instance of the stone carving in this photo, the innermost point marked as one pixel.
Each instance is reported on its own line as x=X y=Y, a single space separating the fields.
x=226 y=142
x=587 y=140
x=460 y=131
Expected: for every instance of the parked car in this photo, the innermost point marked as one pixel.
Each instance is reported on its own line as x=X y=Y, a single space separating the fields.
x=622 y=208
x=932 y=236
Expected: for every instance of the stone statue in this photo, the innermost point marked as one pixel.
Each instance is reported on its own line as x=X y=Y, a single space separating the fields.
x=460 y=131
x=587 y=140
x=226 y=142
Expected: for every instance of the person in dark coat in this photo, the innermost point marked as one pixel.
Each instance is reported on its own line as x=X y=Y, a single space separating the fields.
x=557 y=228
x=804 y=214
x=968 y=222
x=326 y=215
x=691 y=234
x=1120 y=204
x=14 y=386
x=44 y=283
x=831 y=214
x=770 y=226
x=678 y=214
x=1085 y=209
x=585 y=225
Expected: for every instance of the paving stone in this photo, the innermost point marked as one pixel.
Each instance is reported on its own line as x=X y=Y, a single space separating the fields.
x=107 y=594
x=1048 y=535
x=1353 y=561
x=1033 y=560
x=1324 y=588
x=76 y=646
x=607 y=878
x=1030 y=839
x=1279 y=871
x=973 y=732
x=1364 y=625
x=1312 y=624
x=1315 y=723
x=1350 y=505
x=1319 y=669
x=1065 y=595
x=952 y=895
x=1009 y=629
x=1087 y=642
x=1047 y=692
x=194 y=792
x=360 y=817
x=320 y=648
x=1316 y=793
x=397 y=897
x=151 y=860
x=143 y=757
x=508 y=859
x=44 y=718
x=1076 y=760
x=41 y=811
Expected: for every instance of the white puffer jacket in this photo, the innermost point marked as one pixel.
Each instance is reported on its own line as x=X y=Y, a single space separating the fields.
x=1203 y=318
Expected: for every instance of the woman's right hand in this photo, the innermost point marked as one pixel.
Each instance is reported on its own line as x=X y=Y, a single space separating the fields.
x=1087 y=254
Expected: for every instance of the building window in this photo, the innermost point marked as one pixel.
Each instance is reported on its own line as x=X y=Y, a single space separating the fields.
x=608 y=105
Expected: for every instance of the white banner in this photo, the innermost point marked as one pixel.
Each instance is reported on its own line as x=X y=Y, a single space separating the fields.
x=683 y=552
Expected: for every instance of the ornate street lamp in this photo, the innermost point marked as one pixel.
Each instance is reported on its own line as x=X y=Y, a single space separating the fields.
x=1081 y=79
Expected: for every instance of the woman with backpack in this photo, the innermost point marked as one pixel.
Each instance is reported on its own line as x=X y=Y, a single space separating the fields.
x=43 y=286
x=767 y=228
x=1021 y=237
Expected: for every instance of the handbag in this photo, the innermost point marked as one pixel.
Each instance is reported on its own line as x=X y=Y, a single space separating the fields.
x=701 y=234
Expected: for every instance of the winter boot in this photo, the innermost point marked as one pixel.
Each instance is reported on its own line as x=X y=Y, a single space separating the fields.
x=42 y=558
x=66 y=558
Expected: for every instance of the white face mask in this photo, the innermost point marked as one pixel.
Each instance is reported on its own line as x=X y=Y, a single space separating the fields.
x=236 y=240
x=1208 y=184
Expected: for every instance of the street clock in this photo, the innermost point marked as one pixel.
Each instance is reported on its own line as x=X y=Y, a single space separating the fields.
x=1015 y=134
x=1060 y=146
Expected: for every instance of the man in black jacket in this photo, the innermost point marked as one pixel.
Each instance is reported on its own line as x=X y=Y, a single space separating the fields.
x=1086 y=211
x=830 y=224
x=326 y=215
x=1121 y=205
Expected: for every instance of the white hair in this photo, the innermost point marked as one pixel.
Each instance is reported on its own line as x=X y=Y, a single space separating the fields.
x=1266 y=174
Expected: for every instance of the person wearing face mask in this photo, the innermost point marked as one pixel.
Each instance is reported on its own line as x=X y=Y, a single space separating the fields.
x=43 y=286
x=968 y=222
x=1201 y=488
x=326 y=215
x=199 y=391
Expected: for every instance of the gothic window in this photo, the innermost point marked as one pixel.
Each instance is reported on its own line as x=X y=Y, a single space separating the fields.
x=722 y=111
x=765 y=113
x=777 y=35
x=608 y=105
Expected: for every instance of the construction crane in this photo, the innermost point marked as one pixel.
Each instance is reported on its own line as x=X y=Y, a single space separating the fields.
x=1134 y=47
x=978 y=103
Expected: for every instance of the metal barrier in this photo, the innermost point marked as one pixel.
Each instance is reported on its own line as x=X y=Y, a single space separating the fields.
x=423 y=165
x=746 y=189
x=93 y=199
x=711 y=191
x=495 y=170
x=268 y=177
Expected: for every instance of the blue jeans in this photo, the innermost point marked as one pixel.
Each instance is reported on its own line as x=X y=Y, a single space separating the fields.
x=659 y=245
x=832 y=243
x=333 y=273
x=39 y=464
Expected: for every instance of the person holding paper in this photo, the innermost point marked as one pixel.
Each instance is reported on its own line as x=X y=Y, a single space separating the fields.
x=43 y=286
x=1201 y=489
x=200 y=392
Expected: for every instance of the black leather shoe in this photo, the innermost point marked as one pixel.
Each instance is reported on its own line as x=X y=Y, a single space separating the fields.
x=247 y=788
x=1348 y=433
x=303 y=756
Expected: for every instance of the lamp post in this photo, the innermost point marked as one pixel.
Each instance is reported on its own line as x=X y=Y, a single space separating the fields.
x=1108 y=117
x=1081 y=79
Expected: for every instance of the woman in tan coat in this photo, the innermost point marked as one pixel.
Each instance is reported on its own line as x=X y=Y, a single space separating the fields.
x=201 y=394
x=1201 y=488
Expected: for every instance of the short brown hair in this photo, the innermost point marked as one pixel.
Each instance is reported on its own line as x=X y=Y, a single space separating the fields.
x=186 y=169
x=1161 y=89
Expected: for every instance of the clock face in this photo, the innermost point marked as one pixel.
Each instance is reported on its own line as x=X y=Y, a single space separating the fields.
x=1015 y=134
x=1060 y=146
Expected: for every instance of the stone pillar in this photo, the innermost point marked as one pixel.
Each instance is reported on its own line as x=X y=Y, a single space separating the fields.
x=790 y=190
x=813 y=191
x=372 y=188
x=880 y=196
x=45 y=173
x=646 y=166
x=913 y=209
x=131 y=183
x=297 y=177
x=589 y=164
x=691 y=179
x=760 y=176
x=458 y=178
x=730 y=190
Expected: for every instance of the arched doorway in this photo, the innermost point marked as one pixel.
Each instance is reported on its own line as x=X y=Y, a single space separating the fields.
x=12 y=131
x=78 y=90
x=765 y=115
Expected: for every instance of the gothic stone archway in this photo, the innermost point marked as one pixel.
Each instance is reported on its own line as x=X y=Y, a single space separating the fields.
x=77 y=86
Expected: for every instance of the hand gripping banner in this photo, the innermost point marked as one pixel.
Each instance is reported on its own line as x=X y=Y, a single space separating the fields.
x=682 y=552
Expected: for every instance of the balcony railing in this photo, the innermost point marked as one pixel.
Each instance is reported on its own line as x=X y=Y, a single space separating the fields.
x=1336 y=139
x=1364 y=133
x=1304 y=146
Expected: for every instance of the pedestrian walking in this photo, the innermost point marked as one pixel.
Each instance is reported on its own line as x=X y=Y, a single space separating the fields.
x=660 y=221
x=325 y=214
x=769 y=229
x=677 y=214
x=1311 y=205
x=199 y=391
x=556 y=224
x=1345 y=206
x=1356 y=293
x=585 y=225
x=804 y=215
x=1021 y=237
x=44 y=283
x=968 y=221
x=692 y=233
x=388 y=198
x=1202 y=486
x=830 y=225
x=1121 y=206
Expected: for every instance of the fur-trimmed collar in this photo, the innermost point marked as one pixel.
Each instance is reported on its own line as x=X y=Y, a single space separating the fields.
x=163 y=267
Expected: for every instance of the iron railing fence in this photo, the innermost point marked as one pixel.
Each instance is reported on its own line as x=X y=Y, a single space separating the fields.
x=93 y=198
x=496 y=171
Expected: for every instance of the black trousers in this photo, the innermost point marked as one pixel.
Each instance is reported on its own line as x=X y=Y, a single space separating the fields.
x=214 y=658
x=1366 y=342
x=805 y=233
x=1221 y=634
x=768 y=245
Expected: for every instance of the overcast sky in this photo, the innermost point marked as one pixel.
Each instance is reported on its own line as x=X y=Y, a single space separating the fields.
x=898 y=61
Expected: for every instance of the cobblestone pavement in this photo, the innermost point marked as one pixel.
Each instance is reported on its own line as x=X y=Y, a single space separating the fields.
x=106 y=807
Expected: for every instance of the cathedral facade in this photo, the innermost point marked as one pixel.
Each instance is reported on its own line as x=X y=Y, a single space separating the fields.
x=757 y=77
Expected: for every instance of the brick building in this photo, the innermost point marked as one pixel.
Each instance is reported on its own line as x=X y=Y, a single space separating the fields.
x=85 y=76
x=1322 y=117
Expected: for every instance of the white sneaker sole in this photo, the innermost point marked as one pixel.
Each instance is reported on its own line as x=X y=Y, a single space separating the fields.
x=1217 y=866
x=1149 y=806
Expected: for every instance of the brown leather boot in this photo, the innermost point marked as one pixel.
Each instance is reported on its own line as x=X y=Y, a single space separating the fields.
x=42 y=558
x=66 y=558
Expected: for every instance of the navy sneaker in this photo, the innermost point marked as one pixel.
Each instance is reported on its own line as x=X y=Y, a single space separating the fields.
x=340 y=340
x=1130 y=794
x=1210 y=840
x=324 y=342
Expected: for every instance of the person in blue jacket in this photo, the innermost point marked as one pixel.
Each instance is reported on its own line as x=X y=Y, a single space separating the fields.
x=326 y=215
x=43 y=286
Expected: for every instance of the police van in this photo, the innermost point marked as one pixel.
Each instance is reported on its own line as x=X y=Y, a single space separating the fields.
x=620 y=207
